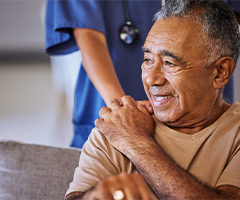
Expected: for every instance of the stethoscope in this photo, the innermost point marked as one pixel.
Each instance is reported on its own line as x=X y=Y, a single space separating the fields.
x=128 y=32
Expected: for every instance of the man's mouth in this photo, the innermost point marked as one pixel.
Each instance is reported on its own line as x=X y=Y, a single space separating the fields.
x=162 y=97
x=161 y=100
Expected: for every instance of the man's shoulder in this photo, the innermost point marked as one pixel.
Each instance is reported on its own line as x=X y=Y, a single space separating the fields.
x=97 y=136
x=236 y=107
x=233 y=113
x=97 y=140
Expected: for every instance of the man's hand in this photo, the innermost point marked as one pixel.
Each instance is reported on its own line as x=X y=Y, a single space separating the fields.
x=126 y=125
x=133 y=186
x=144 y=104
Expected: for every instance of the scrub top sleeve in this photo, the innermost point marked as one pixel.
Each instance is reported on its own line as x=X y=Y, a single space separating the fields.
x=63 y=16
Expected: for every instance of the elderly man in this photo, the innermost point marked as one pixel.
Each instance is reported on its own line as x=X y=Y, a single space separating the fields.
x=190 y=147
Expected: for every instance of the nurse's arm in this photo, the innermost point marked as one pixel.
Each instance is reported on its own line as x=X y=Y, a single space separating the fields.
x=98 y=64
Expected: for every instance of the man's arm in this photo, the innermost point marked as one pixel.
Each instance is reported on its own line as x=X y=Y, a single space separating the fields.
x=130 y=131
x=168 y=180
x=98 y=64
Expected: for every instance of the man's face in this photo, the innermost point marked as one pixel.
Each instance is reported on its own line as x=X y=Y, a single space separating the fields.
x=178 y=86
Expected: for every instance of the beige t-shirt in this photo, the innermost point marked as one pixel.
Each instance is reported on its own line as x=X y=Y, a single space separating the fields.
x=212 y=155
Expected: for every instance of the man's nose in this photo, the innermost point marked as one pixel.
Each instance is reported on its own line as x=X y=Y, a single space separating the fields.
x=156 y=76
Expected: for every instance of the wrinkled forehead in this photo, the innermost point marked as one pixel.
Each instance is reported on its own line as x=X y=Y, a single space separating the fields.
x=184 y=32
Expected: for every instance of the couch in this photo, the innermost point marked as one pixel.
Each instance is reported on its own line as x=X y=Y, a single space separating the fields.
x=35 y=172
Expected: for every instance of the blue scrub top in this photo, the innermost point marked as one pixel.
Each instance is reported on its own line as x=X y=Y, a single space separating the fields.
x=106 y=17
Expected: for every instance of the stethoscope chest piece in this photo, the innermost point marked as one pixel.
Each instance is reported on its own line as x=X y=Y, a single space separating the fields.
x=128 y=33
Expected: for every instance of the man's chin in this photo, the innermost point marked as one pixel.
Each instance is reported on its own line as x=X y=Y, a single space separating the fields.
x=161 y=117
x=164 y=116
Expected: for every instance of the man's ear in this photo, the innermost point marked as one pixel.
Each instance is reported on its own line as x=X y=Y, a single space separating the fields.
x=222 y=73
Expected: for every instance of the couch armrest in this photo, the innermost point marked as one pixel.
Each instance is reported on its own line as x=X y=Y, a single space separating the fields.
x=29 y=171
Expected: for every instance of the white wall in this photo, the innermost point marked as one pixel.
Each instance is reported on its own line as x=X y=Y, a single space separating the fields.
x=21 y=28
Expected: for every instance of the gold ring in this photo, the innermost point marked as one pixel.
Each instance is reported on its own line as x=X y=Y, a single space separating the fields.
x=118 y=195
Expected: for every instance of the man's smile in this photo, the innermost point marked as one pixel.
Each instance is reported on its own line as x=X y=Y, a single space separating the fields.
x=159 y=100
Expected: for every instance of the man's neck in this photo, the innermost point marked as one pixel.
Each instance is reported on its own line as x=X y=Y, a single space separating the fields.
x=191 y=129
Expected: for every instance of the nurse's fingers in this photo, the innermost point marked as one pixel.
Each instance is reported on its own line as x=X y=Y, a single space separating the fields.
x=128 y=100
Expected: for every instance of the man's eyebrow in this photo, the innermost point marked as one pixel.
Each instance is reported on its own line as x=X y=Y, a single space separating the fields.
x=163 y=52
x=145 y=49
x=166 y=53
x=172 y=55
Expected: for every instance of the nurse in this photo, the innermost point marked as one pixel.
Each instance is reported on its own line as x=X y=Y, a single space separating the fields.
x=110 y=35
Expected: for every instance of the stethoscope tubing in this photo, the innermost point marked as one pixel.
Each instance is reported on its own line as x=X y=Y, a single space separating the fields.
x=129 y=33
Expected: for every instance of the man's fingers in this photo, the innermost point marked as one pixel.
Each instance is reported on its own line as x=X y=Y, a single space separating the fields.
x=128 y=186
x=132 y=193
x=99 y=192
x=98 y=123
x=115 y=104
x=143 y=105
x=104 y=110
x=130 y=190
x=125 y=100
x=137 y=188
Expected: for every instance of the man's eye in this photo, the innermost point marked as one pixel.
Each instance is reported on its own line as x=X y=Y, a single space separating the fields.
x=169 y=63
x=147 y=64
x=147 y=61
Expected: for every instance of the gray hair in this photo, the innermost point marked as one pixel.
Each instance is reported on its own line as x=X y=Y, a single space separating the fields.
x=218 y=21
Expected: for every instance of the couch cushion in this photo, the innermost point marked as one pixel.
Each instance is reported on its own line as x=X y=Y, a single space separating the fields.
x=32 y=172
